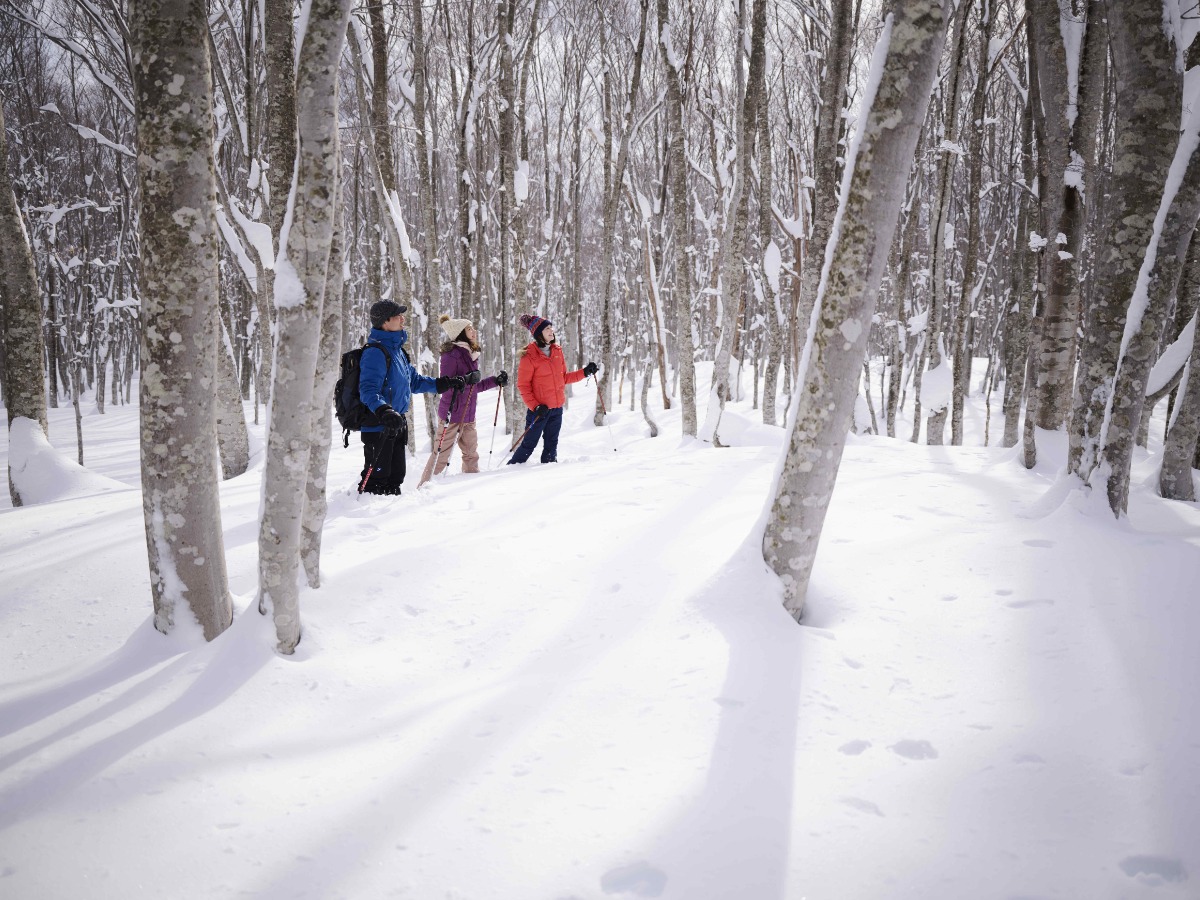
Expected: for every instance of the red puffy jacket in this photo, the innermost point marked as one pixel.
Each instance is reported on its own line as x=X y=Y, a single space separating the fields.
x=543 y=379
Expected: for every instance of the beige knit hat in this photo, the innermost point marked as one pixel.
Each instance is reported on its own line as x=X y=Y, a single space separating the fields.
x=453 y=327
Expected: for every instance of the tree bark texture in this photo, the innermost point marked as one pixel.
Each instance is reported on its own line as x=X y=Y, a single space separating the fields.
x=179 y=282
x=733 y=239
x=299 y=296
x=908 y=53
x=1144 y=332
x=328 y=357
x=681 y=288
x=1149 y=98
x=1069 y=146
x=939 y=312
x=24 y=377
x=612 y=203
x=960 y=328
x=839 y=53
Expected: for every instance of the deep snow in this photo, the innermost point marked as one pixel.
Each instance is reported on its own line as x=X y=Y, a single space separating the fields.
x=577 y=681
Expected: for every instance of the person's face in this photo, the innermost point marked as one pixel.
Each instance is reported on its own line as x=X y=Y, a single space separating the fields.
x=472 y=334
x=395 y=323
x=548 y=334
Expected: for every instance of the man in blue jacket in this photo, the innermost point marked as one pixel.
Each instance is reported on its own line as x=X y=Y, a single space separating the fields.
x=386 y=382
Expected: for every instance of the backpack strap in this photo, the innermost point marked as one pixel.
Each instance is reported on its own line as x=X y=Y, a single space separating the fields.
x=390 y=359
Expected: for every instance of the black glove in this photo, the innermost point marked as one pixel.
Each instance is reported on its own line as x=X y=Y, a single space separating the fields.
x=392 y=421
x=445 y=382
x=540 y=410
x=472 y=377
x=501 y=378
x=590 y=369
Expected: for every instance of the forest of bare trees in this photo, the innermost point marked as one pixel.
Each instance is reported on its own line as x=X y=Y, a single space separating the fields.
x=823 y=200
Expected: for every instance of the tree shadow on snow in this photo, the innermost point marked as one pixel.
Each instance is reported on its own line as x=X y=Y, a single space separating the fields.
x=223 y=667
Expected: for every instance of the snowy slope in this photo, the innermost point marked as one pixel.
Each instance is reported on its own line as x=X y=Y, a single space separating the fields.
x=577 y=681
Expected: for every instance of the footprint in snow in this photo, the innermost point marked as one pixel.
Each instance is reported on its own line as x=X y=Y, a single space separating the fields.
x=1030 y=759
x=1153 y=870
x=914 y=749
x=854 y=748
x=862 y=805
x=1027 y=604
x=640 y=879
x=1036 y=542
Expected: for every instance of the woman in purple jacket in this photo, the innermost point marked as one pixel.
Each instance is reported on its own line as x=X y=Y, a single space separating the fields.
x=456 y=409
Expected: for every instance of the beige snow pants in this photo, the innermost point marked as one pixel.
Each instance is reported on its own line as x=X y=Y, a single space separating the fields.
x=467 y=438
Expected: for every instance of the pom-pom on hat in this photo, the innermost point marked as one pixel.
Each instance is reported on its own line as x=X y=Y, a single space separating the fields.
x=535 y=324
x=384 y=310
x=453 y=327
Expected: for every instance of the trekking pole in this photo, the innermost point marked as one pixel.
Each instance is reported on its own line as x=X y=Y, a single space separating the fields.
x=495 y=419
x=371 y=468
x=449 y=415
x=600 y=394
x=466 y=403
x=517 y=443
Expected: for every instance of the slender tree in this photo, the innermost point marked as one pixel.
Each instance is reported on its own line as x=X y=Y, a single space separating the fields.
x=24 y=379
x=903 y=70
x=300 y=287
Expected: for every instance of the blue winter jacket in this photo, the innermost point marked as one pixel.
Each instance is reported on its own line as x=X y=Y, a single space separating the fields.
x=402 y=379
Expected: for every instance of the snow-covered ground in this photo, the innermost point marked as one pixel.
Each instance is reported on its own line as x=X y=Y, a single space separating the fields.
x=577 y=681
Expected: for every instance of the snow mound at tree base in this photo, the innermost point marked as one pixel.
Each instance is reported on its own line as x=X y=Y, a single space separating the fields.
x=42 y=475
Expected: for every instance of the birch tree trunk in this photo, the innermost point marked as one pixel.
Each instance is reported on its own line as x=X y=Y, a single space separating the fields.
x=1179 y=449
x=612 y=202
x=429 y=274
x=733 y=241
x=1148 y=89
x=233 y=441
x=179 y=254
x=681 y=290
x=942 y=229
x=1149 y=311
x=960 y=329
x=1020 y=310
x=279 y=39
x=328 y=357
x=24 y=377
x=839 y=52
x=776 y=322
x=905 y=63
x=1070 y=143
x=301 y=274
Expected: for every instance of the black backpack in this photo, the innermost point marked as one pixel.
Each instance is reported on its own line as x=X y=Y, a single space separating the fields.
x=352 y=413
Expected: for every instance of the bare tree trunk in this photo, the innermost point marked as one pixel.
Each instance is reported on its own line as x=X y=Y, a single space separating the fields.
x=1023 y=278
x=328 y=355
x=1149 y=312
x=1180 y=447
x=430 y=273
x=839 y=53
x=179 y=256
x=299 y=295
x=733 y=240
x=1070 y=127
x=906 y=61
x=967 y=289
x=279 y=38
x=1147 y=119
x=942 y=230
x=776 y=322
x=612 y=202
x=24 y=377
x=233 y=441
x=681 y=289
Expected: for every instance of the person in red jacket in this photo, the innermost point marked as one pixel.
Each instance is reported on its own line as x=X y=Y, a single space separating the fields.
x=542 y=378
